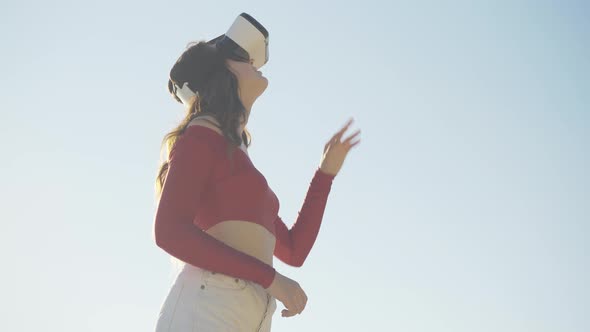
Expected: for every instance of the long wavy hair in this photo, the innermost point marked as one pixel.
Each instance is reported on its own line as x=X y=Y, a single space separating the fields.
x=203 y=66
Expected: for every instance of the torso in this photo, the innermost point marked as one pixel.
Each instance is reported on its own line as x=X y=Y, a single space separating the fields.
x=245 y=236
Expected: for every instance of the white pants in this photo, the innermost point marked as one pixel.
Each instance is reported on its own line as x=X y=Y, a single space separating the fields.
x=201 y=300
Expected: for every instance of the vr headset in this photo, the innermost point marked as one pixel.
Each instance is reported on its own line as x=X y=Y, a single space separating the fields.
x=245 y=40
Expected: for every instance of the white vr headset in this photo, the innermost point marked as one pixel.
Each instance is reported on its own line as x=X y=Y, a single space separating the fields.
x=245 y=40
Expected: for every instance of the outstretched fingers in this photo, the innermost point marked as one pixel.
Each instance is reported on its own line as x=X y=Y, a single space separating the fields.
x=339 y=134
x=348 y=140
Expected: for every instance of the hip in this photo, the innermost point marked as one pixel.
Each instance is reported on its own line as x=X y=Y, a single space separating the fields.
x=202 y=300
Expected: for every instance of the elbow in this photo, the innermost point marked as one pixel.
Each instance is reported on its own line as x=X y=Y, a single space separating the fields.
x=159 y=240
x=297 y=264
x=161 y=236
x=297 y=261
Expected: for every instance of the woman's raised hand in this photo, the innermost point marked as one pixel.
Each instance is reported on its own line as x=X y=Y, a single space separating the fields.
x=335 y=150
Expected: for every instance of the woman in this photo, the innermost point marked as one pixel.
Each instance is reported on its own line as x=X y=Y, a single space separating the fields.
x=216 y=212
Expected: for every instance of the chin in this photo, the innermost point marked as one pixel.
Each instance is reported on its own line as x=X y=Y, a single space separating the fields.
x=263 y=84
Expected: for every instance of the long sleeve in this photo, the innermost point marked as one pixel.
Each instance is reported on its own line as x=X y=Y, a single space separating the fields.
x=191 y=164
x=293 y=245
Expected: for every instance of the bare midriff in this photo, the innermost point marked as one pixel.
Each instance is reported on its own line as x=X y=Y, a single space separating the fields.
x=245 y=236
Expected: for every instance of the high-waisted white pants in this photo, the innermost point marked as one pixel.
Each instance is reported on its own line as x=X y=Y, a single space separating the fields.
x=201 y=301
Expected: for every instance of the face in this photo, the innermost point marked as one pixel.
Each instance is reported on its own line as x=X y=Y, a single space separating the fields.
x=251 y=82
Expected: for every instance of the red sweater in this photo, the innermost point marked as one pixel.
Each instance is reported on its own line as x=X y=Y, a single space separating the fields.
x=199 y=192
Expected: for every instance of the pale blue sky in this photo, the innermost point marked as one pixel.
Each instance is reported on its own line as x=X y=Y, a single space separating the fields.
x=465 y=207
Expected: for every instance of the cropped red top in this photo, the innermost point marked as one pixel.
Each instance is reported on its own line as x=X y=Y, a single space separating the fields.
x=199 y=191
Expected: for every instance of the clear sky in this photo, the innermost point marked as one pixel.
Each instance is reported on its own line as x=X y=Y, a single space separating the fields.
x=464 y=208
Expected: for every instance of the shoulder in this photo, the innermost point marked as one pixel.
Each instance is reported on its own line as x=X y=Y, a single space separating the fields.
x=199 y=138
x=204 y=130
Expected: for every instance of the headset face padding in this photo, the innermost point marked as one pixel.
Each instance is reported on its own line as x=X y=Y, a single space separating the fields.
x=245 y=40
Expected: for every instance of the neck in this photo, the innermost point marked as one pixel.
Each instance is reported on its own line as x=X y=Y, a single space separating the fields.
x=240 y=127
x=247 y=102
x=243 y=124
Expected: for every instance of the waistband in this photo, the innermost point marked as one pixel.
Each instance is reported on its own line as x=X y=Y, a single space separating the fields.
x=198 y=274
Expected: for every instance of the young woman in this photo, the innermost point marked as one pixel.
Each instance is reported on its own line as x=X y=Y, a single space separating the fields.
x=216 y=212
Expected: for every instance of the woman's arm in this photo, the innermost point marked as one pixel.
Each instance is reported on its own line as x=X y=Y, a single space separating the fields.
x=191 y=163
x=293 y=245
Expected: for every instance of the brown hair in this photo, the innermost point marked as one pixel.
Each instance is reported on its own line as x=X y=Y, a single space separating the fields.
x=205 y=70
